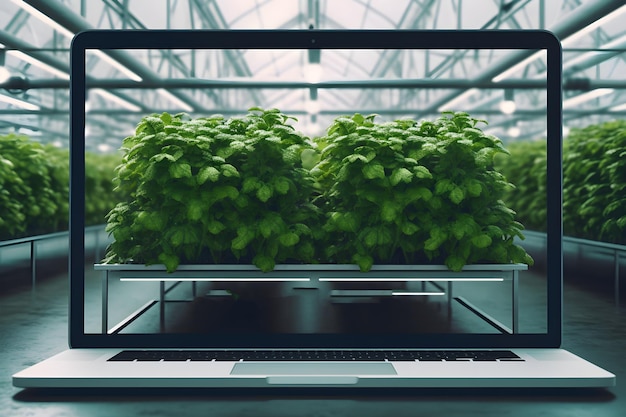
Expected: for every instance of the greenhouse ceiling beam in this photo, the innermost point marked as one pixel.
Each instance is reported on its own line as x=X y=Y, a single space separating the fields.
x=134 y=23
x=605 y=110
x=19 y=83
x=573 y=84
x=595 y=57
x=75 y=23
x=385 y=61
x=13 y=42
x=14 y=124
x=215 y=20
x=577 y=20
x=452 y=60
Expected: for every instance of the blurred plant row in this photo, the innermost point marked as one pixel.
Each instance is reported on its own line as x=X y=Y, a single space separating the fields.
x=253 y=189
x=594 y=182
x=34 y=187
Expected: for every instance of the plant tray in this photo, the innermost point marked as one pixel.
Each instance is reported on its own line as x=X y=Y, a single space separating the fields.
x=311 y=271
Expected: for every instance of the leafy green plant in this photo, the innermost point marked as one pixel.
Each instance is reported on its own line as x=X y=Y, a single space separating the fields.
x=594 y=185
x=100 y=196
x=409 y=192
x=525 y=165
x=34 y=187
x=12 y=187
x=214 y=190
x=28 y=200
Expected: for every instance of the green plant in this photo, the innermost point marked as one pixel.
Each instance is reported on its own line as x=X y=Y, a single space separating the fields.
x=34 y=187
x=11 y=188
x=525 y=165
x=409 y=192
x=100 y=196
x=29 y=202
x=594 y=186
x=214 y=190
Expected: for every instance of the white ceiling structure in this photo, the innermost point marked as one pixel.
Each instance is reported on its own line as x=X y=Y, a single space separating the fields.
x=35 y=37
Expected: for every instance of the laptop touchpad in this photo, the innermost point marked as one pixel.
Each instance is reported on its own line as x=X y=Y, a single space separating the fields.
x=309 y=368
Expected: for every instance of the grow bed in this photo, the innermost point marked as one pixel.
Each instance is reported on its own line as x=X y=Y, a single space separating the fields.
x=392 y=279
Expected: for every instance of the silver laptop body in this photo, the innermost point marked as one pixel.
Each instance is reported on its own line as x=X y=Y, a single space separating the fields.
x=313 y=325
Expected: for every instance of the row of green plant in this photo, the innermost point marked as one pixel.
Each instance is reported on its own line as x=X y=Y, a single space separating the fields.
x=254 y=190
x=34 y=187
x=594 y=182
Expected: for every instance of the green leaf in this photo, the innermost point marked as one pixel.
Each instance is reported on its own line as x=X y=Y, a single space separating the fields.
x=455 y=263
x=271 y=224
x=309 y=158
x=364 y=262
x=474 y=188
x=409 y=228
x=263 y=262
x=162 y=156
x=180 y=170
x=457 y=195
x=400 y=175
x=481 y=241
x=170 y=261
x=250 y=184
x=437 y=237
x=346 y=222
x=373 y=170
x=281 y=185
x=288 y=239
x=389 y=211
x=243 y=238
x=166 y=118
x=264 y=193
x=356 y=157
x=443 y=186
x=214 y=227
x=422 y=172
x=229 y=171
x=207 y=173
x=153 y=124
x=195 y=209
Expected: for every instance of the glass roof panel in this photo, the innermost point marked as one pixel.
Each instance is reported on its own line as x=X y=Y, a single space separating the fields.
x=32 y=44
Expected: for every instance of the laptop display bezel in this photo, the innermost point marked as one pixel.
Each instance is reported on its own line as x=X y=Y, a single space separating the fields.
x=318 y=39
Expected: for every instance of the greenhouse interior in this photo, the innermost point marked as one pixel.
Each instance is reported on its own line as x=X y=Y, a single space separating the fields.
x=344 y=161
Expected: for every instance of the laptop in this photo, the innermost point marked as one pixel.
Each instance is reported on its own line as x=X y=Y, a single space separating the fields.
x=305 y=276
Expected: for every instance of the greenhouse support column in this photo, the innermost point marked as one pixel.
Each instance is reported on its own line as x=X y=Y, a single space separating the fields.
x=514 y=302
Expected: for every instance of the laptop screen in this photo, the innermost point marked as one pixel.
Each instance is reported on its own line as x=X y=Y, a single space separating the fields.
x=314 y=191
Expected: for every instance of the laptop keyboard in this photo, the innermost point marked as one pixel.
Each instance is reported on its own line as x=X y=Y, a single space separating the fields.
x=315 y=355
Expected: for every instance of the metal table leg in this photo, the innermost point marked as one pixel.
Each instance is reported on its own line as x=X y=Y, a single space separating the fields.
x=105 y=302
x=162 y=305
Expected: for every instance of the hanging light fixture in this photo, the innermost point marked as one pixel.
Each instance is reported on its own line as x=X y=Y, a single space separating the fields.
x=312 y=105
x=312 y=70
x=507 y=106
x=514 y=131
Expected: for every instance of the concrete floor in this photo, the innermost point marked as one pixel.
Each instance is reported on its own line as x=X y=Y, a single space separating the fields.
x=33 y=325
